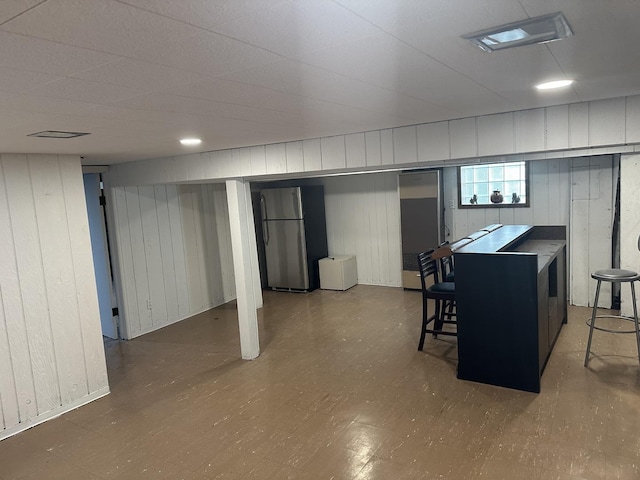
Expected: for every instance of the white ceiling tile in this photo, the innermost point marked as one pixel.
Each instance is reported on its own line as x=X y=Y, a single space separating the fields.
x=294 y=28
x=37 y=55
x=389 y=63
x=210 y=54
x=205 y=13
x=458 y=17
x=12 y=8
x=21 y=81
x=138 y=74
x=103 y=25
x=86 y=91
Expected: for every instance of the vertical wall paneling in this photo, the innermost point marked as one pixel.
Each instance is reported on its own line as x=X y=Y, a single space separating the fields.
x=241 y=166
x=276 y=158
x=632 y=127
x=433 y=141
x=210 y=165
x=356 y=153
x=51 y=350
x=222 y=228
x=141 y=279
x=495 y=134
x=363 y=219
x=607 y=122
x=405 y=145
x=629 y=223
x=189 y=206
x=16 y=377
x=212 y=248
x=32 y=283
x=557 y=127
x=578 y=124
x=130 y=318
x=373 y=148
x=170 y=288
x=258 y=160
x=312 y=155
x=295 y=158
x=539 y=186
x=193 y=165
x=59 y=278
x=153 y=255
x=463 y=138
x=225 y=160
x=183 y=262
x=386 y=147
x=88 y=309
x=529 y=130
x=591 y=223
x=178 y=251
x=333 y=153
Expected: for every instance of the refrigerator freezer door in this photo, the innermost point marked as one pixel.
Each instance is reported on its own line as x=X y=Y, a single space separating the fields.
x=281 y=203
x=286 y=254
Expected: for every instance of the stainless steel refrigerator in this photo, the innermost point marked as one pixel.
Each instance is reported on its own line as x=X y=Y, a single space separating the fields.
x=295 y=236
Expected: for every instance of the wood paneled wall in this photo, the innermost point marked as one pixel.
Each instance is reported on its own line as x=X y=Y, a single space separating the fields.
x=549 y=192
x=629 y=225
x=581 y=129
x=51 y=351
x=363 y=219
x=173 y=253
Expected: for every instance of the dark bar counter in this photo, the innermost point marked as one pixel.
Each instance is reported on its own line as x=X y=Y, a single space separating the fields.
x=511 y=303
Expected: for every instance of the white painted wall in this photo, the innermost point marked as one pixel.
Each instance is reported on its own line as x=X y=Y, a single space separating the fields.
x=575 y=192
x=549 y=191
x=51 y=352
x=629 y=225
x=363 y=219
x=564 y=131
x=173 y=252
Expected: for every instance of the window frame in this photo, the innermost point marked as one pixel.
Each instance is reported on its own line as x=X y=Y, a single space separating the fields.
x=504 y=204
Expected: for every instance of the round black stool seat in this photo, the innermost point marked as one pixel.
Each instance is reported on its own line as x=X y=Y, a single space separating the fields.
x=615 y=275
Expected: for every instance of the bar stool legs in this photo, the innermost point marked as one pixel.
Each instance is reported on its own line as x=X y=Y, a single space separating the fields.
x=614 y=276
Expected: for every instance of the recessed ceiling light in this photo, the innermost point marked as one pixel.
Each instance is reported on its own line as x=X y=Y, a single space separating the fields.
x=57 y=134
x=554 y=84
x=190 y=141
x=546 y=28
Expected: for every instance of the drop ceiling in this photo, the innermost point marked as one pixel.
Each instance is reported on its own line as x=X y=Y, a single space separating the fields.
x=141 y=74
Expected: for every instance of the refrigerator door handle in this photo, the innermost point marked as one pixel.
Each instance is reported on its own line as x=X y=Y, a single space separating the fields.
x=265 y=224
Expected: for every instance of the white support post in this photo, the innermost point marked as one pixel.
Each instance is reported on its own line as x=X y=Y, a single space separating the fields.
x=243 y=242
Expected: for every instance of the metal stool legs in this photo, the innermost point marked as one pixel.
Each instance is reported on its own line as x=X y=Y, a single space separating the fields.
x=592 y=321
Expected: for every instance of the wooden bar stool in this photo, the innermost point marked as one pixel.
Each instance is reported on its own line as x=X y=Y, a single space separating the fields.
x=614 y=275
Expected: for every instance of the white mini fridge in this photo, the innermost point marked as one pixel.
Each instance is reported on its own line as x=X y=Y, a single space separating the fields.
x=338 y=273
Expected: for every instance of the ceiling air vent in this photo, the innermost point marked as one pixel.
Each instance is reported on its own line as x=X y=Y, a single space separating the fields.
x=57 y=134
x=526 y=32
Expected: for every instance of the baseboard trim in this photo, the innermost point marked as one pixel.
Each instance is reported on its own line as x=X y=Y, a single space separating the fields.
x=55 y=413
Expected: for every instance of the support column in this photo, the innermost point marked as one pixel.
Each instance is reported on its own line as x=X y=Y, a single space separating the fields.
x=243 y=242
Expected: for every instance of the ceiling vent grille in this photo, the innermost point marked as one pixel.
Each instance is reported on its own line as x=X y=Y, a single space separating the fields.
x=546 y=28
x=57 y=134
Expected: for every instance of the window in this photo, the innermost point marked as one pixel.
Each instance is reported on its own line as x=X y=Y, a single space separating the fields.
x=493 y=185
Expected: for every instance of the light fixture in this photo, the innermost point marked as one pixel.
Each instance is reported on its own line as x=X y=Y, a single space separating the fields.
x=190 y=141
x=57 y=134
x=546 y=28
x=554 y=84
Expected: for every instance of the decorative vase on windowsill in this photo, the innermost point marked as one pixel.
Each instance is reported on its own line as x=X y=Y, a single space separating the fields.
x=496 y=197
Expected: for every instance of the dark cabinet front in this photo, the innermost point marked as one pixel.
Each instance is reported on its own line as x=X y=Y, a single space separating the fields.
x=510 y=294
